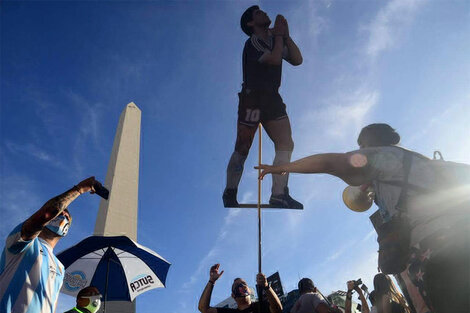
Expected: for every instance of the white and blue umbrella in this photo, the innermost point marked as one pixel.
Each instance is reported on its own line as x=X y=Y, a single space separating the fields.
x=118 y=266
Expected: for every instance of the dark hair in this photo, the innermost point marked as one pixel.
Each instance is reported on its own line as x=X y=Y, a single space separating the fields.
x=383 y=285
x=88 y=291
x=306 y=284
x=70 y=215
x=376 y=135
x=372 y=297
x=247 y=17
x=233 y=284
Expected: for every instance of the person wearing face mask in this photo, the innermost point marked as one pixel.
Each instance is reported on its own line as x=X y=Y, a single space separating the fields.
x=88 y=301
x=30 y=274
x=241 y=293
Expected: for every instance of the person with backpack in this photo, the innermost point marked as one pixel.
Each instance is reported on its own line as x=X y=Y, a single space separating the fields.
x=423 y=218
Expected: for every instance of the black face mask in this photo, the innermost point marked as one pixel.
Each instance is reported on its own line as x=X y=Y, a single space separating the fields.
x=241 y=290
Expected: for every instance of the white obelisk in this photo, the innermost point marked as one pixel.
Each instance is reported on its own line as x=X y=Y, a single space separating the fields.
x=118 y=215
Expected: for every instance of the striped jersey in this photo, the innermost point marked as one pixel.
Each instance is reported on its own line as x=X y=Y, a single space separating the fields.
x=30 y=275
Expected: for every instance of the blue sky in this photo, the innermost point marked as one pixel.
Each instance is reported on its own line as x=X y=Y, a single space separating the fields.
x=69 y=68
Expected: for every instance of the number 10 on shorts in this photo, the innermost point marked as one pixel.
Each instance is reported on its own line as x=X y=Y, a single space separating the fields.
x=252 y=115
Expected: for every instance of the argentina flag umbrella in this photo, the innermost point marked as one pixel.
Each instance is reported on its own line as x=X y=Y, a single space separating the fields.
x=118 y=266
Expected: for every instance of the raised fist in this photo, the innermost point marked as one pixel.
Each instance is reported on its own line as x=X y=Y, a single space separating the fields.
x=87 y=185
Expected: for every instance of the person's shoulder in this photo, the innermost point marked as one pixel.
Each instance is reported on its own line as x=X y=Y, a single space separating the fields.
x=309 y=299
x=255 y=45
x=14 y=241
x=248 y=43
x=388 y=156
x=17 y=229
x=312 y=295
x=315 y=299
x=380 y=150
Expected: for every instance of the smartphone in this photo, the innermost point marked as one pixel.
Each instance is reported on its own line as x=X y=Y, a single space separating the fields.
x=101 y=191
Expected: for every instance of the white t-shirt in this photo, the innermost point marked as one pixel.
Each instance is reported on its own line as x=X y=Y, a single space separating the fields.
x=307 y=303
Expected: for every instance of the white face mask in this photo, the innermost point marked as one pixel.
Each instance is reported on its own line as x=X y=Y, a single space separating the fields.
x=95 y=303
x=59 y=225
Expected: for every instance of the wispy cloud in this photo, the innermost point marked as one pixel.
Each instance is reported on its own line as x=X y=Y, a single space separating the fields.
x=337 y=253
x=340 y=119
x=389 y=24
x=67 y=113
x=88 y=129
x=202 y=266
x=443 y=125
x=30 y=149
x=364 y=267
x=210 y=258
x=369 y=235
x=314 y=23
x=34 y=151
x=90 y=115
x=213 y=252
x=349 y=112
x=19 y=200
x=341 y=116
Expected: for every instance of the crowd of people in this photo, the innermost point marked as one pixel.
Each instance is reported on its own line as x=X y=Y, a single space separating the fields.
x=423 y=230
x=422 y=221
x=423 y=215
x=385 y=298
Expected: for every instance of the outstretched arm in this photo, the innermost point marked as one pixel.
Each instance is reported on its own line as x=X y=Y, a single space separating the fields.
x=347 y=305
x=351 y=287
x=205 y=300
x=33 y=225
x=347 y=166
x=365 y=306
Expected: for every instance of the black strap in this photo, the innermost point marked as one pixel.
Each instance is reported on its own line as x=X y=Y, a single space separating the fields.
x=401 y=204
x=399 y=183
x=405 y=185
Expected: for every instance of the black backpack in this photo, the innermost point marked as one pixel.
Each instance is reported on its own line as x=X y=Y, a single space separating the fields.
x=451 y=183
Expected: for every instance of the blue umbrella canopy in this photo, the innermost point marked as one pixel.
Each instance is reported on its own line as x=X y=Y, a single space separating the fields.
x=119 y=267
